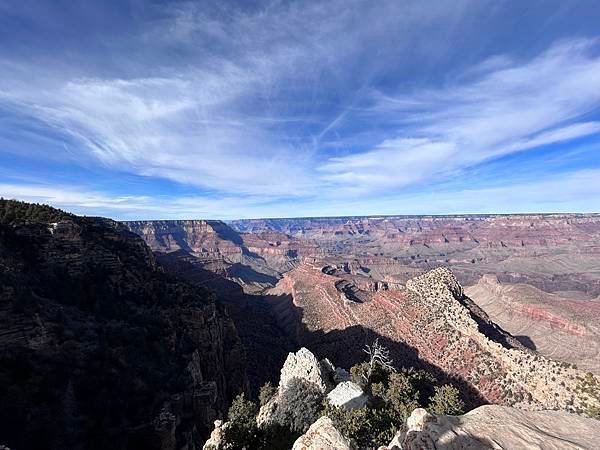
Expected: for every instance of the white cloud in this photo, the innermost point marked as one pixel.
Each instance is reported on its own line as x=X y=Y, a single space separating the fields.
x=508 y=107
x=215 y=121
x=242 y=104
x=577 y=191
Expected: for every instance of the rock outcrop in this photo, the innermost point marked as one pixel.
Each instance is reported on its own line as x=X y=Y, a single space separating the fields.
x=303 y=364
x=215 y=441
x=322 y=435
x=497 y=427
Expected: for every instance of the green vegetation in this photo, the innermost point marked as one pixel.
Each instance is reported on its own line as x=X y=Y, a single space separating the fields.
x=242 y=430
x=365 y=427
x=267 y=391
x=299 y=406
x=446 y=400
x=393 y=396
x=590 y=386
x=14 y=212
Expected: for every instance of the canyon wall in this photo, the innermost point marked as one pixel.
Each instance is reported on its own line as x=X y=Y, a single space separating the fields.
x=100 y=348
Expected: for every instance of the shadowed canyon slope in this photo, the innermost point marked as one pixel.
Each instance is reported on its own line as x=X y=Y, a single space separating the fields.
x=99 y=347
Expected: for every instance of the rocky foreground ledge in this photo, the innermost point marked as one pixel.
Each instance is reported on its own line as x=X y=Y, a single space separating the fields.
x=486 y=427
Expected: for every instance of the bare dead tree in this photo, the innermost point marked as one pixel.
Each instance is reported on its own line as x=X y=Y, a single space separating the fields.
x=378 y=354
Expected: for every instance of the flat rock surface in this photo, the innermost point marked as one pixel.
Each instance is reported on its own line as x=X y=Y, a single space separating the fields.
x=499 y=427
x=347 y=394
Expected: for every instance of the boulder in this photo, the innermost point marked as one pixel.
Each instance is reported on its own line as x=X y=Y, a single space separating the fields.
x=497 y=427
x=303 y=364
x=322 y=435
x=348 y=395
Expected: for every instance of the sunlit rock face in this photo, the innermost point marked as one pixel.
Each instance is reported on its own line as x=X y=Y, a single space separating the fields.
x=497 y=427
x=348 y=395
x=432 y=324
x=557 y=327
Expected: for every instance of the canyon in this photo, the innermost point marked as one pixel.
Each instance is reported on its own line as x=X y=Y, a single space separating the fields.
x=140 y=334
x=531 y=286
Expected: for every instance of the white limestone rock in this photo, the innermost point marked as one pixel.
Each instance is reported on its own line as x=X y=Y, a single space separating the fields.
x=498 y=427
x=322 y=435
x=348 y=395
x=303 y=364
x=215 y=441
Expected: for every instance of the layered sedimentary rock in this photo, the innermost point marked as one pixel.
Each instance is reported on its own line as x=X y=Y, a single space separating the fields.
x=253 y=261
x=560 y=328
x=431 y=322
x=497 y=427
x=553 y=252
x=99 y=347
x=492 y=230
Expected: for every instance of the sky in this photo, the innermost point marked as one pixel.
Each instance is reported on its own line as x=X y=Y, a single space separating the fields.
x=164 y=110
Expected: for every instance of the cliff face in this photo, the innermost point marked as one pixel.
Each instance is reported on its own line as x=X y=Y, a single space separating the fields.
x=253 y=261
x=212 y=255
x=552 y=252
x=99 y=347
x=561 y=328
x=490 y=230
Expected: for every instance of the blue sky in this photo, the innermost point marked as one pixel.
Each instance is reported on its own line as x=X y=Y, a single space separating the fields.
x=138 y=109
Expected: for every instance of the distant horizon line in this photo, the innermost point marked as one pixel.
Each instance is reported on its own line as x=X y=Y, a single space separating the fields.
x=375 y=216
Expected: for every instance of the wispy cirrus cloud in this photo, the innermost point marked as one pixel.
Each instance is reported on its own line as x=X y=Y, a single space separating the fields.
x=280 y=107
x=572 y=191
x=505 y=107
x=240 y=113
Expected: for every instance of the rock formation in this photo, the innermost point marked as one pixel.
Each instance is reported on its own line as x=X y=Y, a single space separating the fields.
x=497 y=427
x=432 y=321
x=215 y=440
x=322 y=435
x=303 y=364
x=557 y=254
x=559 y=328
x=553 y=252
x=253 y=261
